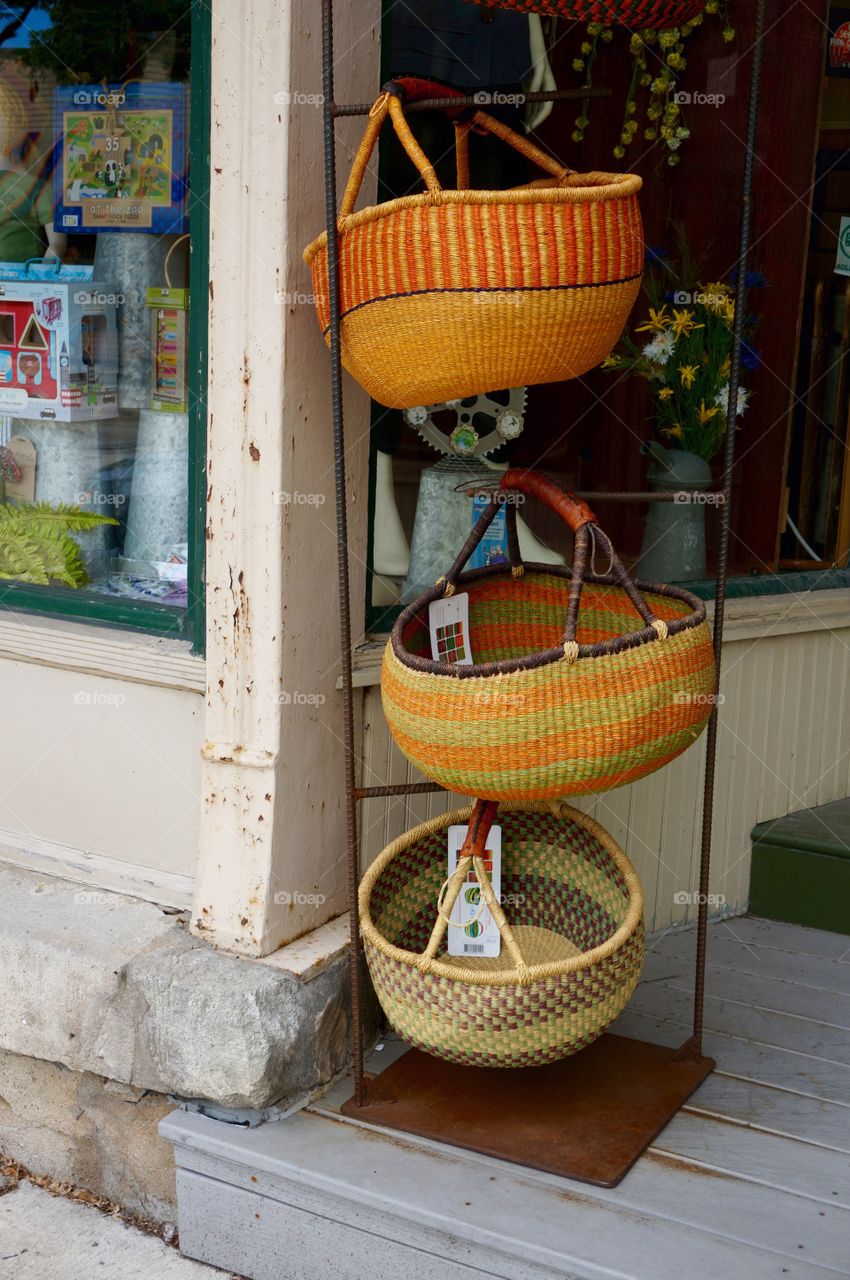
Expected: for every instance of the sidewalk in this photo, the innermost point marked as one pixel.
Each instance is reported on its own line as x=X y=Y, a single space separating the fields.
x=44 y=1237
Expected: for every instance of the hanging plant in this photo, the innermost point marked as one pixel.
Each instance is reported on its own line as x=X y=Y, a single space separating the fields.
x=654 y=100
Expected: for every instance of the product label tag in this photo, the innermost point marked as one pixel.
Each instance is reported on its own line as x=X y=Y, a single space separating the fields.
x=449 y=623
x=842 y=260
x=493 y=547
x=473 y=931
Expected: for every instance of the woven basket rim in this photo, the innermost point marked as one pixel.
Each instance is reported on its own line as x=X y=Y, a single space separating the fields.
x=542 y=657
x=507 y=977
x=579 y=10
x=612 y=186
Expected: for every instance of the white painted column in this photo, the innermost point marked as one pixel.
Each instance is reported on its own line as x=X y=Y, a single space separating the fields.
x=271 y=862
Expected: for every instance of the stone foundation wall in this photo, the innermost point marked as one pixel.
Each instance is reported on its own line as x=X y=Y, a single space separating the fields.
x=89 y=1131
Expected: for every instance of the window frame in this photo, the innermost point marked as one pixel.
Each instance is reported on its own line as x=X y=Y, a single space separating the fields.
x=160 y=619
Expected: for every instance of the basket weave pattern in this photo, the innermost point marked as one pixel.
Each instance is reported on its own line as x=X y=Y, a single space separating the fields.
x=559 y=728
x=450 y=293
x=479 y=245
x=562 y=873
x=630 y=13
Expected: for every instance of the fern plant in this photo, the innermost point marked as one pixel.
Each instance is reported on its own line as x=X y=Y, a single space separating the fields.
x=35 y=545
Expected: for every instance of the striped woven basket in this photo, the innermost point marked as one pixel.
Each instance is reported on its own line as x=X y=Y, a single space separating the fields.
x=635 y=14
x=447 y=294
x=550 y=708
x=572 y=937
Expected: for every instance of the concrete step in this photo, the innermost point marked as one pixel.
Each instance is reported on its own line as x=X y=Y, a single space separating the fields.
x=316 y=1196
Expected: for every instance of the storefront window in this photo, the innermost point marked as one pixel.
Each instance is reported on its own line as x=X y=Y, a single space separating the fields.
x=99 y=237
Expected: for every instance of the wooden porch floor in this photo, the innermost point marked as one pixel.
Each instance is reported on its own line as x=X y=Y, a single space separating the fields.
x=750 y=1181
x=761 y=1154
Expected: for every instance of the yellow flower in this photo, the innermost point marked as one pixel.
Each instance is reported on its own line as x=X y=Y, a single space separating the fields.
x=611 y=362
x=683 y=323
x=658 y=321
x=716 y=299
x=705 y=415
x=666 y=393
x=675 y=431
x=687 y=372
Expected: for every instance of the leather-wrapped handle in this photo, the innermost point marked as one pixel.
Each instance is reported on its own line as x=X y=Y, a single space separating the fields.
x=572 y=510
x=483 y=817
x=581 y=519
x=417 y=89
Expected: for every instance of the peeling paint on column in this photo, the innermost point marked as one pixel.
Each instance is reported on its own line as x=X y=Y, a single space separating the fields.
x=268 y=385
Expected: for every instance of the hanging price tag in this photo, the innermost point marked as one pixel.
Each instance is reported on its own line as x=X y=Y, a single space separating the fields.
x=473 y=931
x=449 y=623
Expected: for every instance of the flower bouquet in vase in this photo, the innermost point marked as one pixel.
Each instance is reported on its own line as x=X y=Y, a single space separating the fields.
x=683 y=349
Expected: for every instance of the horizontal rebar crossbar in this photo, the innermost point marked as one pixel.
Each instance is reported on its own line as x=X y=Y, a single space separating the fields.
x=484 y=98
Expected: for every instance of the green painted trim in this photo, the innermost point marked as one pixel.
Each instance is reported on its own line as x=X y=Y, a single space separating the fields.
x=83 y=606
x=372 y=613
x=773 y=584
x=143 y=615
x=200 y=125
x=800 y=887
x=382 y=619
x=378 y=617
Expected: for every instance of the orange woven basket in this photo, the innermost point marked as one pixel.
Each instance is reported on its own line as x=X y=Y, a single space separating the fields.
x=635 y=14
x=581 y=681
x=450 y=293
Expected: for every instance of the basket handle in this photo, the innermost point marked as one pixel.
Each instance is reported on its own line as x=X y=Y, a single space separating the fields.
x=410 y=89
x=474 y=846
x=471 y=855
x=534 y=484
x=588 y=537
x=574 y=513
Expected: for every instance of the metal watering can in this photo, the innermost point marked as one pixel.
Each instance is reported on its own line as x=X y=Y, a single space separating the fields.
x=674 y=540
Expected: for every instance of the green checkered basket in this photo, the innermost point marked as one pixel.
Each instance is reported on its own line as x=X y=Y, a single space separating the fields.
x=572 y=934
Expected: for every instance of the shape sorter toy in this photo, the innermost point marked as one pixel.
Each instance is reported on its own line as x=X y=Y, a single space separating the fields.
x=58 y=343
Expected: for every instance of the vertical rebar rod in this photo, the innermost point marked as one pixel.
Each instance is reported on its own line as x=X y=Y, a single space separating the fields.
x=342 y=547
x=725 y=516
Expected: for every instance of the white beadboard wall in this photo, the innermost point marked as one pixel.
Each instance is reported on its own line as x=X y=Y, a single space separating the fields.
x=784 y=744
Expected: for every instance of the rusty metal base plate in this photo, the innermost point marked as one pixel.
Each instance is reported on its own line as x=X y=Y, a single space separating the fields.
x=588 y=1117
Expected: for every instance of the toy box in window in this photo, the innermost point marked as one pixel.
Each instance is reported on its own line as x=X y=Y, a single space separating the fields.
x=58 y=343
x=169 y=329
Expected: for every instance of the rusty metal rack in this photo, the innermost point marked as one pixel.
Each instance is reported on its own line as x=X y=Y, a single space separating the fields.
x=590 y=1116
